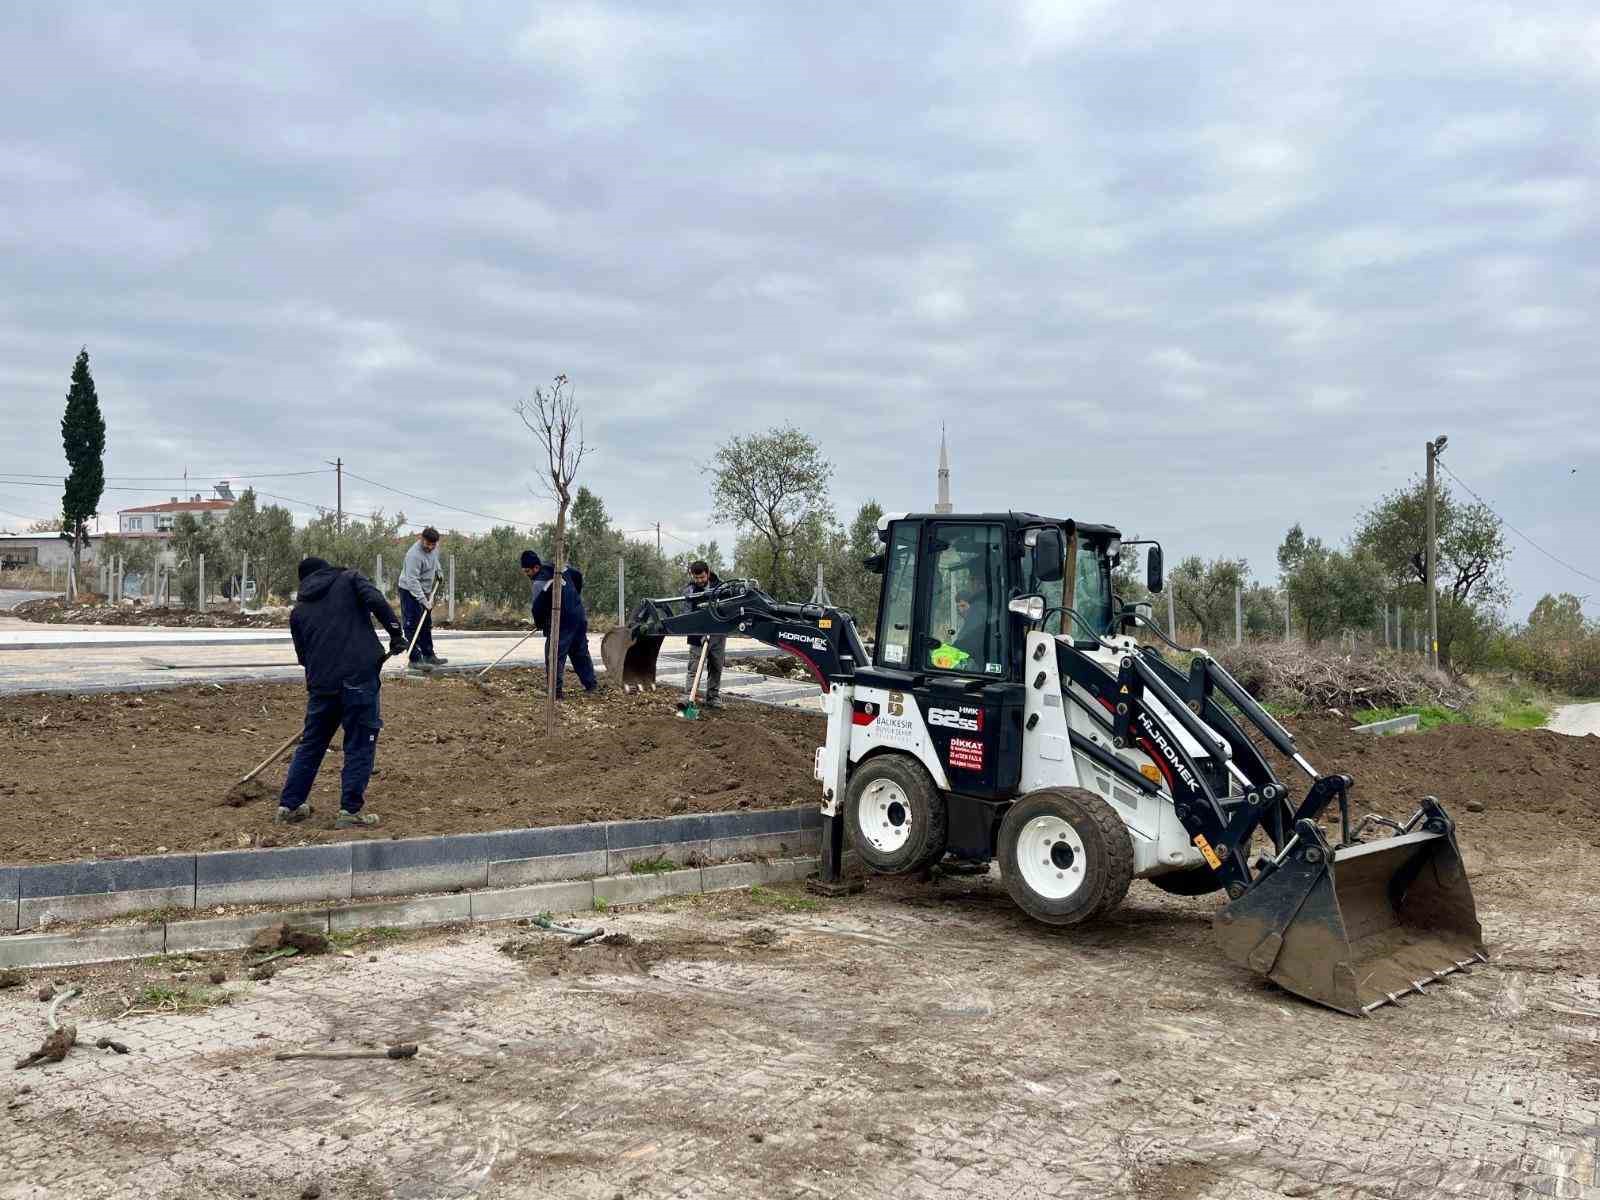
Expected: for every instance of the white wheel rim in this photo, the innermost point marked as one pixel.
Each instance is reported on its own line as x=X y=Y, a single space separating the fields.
x=1051 y=858
x=885 y=816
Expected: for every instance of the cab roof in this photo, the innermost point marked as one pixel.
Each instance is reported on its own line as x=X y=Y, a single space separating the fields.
x=1013 y=518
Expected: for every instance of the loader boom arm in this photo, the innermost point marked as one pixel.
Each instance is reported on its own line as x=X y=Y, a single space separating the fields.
x=822 y=637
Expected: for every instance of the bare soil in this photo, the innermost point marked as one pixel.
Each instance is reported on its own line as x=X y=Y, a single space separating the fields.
x=1528 y=781
x=117 y=774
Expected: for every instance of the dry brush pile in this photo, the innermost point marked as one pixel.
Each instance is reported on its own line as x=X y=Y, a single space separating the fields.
x=1302 y=678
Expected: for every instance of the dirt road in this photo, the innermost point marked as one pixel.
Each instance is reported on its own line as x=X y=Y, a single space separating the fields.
x=1577 y=720
x=921 y=1041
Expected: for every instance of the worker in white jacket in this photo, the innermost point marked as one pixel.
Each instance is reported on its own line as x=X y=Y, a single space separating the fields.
x=416 y=589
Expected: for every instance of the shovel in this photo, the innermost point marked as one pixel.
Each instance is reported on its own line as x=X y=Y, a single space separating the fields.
x=241 y=793
x=687 y=709
x=426 y=617
x=477 y=680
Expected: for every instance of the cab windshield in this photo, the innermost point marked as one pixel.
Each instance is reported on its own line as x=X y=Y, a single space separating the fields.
x=1091 y=594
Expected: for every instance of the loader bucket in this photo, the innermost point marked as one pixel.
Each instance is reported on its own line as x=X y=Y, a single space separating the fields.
x=1357 y=927
x=630 y=658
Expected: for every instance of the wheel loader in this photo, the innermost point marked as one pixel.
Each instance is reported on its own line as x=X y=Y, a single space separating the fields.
x=1009 y=710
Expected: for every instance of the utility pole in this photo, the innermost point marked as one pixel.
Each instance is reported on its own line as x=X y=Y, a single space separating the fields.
x=1435 y=448
x=338 y=474
x=658 y=539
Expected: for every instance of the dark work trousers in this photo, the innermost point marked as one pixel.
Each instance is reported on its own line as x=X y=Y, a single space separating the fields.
x=574 y=646
x=711 y=677
x=355 y=707
x=412 y=613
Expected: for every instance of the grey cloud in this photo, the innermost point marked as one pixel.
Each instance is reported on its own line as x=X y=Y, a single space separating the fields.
x=1203 y=270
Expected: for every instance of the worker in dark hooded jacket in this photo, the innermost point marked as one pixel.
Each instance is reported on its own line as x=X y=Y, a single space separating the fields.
x=334 y=640
x=574 y=641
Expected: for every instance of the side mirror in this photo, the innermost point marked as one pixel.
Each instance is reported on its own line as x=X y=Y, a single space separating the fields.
x=1049 y=551
x=1152 y=569
x=875 y=563
x=1031 y=607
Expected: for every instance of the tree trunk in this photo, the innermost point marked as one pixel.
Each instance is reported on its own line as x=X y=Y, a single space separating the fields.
x=554 y=665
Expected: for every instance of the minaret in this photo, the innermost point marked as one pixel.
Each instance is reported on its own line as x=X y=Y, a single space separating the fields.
x=943 y=504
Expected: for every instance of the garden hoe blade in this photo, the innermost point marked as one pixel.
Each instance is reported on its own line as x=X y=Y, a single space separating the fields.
x=630 y=658
x=1359 y=926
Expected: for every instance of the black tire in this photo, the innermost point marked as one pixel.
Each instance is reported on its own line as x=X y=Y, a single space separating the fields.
x=1090 y=864
x=1191 y=881
x=897 y=819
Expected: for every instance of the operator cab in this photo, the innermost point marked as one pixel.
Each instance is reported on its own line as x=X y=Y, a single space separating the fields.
x=959 y=595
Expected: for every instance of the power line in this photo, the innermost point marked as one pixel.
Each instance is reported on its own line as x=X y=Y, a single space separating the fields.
x=1563 y=562
x=191 y=477
x=436 y=503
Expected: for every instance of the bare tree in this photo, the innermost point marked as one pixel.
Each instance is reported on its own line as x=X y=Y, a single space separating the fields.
x=552 y=416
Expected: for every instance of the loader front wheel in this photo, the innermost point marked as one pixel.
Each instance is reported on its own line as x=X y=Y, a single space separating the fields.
x=1065 y=855
x=896 y=817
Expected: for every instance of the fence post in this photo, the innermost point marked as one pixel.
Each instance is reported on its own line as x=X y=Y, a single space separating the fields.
x=1172 y=615
x=1238 y=615
x=244 y=573
x=200 y=584
x=450 y=596
x=377 y=572
x=1287 y=634
x=622 y=601
x=116 y=582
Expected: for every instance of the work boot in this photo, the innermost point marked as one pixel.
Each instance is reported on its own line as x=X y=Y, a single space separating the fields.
x=292 y=816
x=420 y=666
x=433 y=660
x=354 y=820
x=714 y=703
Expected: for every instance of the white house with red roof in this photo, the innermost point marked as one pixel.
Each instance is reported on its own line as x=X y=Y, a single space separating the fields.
x=156 y=520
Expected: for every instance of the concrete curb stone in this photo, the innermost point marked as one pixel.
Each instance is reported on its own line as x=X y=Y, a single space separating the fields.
x=90 y=946
x=274 y=876
x=236 y=933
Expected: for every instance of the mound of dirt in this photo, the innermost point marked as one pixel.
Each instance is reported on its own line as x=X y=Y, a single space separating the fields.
x=61 y=612
x=1526 y=780
x=104 y=776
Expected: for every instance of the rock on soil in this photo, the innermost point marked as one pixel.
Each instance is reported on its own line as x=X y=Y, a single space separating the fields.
x=288 y=937
x=10 y=979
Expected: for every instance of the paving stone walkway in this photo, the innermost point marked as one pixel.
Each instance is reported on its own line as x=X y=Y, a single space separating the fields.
x=923 y=1040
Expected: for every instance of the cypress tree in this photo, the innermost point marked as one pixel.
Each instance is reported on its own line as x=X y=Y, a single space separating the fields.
x=83 y=436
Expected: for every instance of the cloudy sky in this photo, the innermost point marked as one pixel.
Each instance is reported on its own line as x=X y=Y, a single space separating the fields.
x=1199 y=269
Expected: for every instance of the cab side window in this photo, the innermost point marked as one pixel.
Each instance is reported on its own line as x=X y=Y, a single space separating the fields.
x=899 y=594
x=967 y=604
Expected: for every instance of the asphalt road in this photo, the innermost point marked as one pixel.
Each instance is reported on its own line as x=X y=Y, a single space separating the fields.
x=11 y=597
x=49 y=658
x=1576 y=719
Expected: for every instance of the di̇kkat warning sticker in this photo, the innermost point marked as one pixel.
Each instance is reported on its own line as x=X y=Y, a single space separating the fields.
x=966 y=754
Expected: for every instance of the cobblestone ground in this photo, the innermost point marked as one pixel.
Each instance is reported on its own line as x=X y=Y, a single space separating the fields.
x=922 y=1040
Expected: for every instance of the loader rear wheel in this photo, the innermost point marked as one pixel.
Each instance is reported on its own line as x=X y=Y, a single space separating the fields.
x=1191 y=881
x=897 y=818
x=1065 y=855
